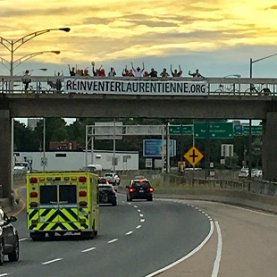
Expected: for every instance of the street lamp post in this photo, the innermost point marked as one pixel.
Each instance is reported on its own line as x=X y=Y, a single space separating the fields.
x=13 y=45
x=19 y=61
x=258 y=60
x=250 y=120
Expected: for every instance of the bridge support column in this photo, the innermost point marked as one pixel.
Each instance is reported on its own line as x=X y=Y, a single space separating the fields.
x=5 y=154
x=269 y=151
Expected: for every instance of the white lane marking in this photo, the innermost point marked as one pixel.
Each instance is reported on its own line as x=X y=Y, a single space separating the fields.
x=113 y=240
x=4 y=274
x=188 y=255
x=237 y=207
x=22 y=239
x=218 y=251
x=52 y=261
x=142 y=220
x=138 y=227
x=139 y=210
x=253 y=211
x=88 y=249
x=135 y=206
x=141 y=215
x=129 y=233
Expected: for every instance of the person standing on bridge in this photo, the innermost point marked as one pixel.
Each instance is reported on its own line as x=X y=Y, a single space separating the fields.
x=176 y=73
x=127 y=73
x=138 y=72
x=164 y=73
x=112 y=72
x=196 y=74
x=72 y=71
x=153 y=73
x=26 y=80
x=98 y=72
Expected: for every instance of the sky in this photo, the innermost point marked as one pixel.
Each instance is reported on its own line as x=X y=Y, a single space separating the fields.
x=216 y=36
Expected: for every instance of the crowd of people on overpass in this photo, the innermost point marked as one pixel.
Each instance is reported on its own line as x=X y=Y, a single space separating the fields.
x=137 y=72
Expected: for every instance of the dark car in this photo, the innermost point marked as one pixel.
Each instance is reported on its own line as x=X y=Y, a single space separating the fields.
x=107 y=194
x=9 y=238
x=140 y=189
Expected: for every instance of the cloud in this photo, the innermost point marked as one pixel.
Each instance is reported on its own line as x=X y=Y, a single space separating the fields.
x=274 y=7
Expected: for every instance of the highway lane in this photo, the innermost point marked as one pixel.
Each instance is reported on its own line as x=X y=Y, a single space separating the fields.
x=135 y=239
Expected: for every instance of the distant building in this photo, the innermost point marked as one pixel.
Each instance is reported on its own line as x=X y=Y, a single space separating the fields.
x=76 y=160
x=64 y=145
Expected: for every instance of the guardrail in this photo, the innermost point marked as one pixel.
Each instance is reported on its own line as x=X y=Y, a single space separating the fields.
x=215 y=86
x=254 y=186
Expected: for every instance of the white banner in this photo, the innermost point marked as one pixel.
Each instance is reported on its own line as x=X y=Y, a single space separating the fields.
x=136 y=87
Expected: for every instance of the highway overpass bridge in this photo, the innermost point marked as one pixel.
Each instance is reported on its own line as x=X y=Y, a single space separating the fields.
x=190 y=98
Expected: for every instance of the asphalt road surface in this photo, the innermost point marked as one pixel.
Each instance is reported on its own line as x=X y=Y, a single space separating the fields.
x=135 y=239
x=243 y=244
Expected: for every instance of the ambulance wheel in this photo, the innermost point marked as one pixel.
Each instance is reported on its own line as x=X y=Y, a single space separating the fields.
x=37 y=236
x=51 y=235
x=87 y=235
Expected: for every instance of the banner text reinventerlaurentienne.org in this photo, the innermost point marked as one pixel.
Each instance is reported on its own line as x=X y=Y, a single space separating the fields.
x=133 y=87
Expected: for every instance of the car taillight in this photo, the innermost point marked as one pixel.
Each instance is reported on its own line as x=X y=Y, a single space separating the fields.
x=150 y=189
x=131 y=189
x=33 y=180
x=82 y=193
x=33 y=194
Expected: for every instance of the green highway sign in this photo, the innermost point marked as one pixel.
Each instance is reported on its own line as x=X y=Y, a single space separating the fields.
x=213 y=130
x=180 y=129
x=243 y=130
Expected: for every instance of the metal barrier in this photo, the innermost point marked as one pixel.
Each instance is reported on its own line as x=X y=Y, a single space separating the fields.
x=215 y=86
x=253 y=186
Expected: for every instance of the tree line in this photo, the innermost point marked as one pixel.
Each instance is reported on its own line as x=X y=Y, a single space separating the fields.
x=57 y=129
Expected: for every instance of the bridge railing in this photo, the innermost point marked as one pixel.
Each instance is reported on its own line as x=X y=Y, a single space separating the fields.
x=214 y=86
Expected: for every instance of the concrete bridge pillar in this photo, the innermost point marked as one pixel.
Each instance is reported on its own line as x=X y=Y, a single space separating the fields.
x=269 y=152
x=5 y=154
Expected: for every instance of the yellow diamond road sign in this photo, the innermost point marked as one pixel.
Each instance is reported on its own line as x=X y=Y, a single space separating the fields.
x=193 y=156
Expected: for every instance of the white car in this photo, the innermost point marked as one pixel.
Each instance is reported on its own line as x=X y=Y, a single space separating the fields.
x=112 y=178
x=21 y=168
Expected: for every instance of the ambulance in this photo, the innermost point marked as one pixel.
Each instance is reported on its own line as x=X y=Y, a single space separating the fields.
x=61 y=203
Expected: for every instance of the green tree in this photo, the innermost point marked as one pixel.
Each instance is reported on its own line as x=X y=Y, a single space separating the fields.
x=25 y=139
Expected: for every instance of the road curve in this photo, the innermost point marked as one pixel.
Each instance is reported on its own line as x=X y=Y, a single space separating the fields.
x=248 y=249
x=135 y=239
